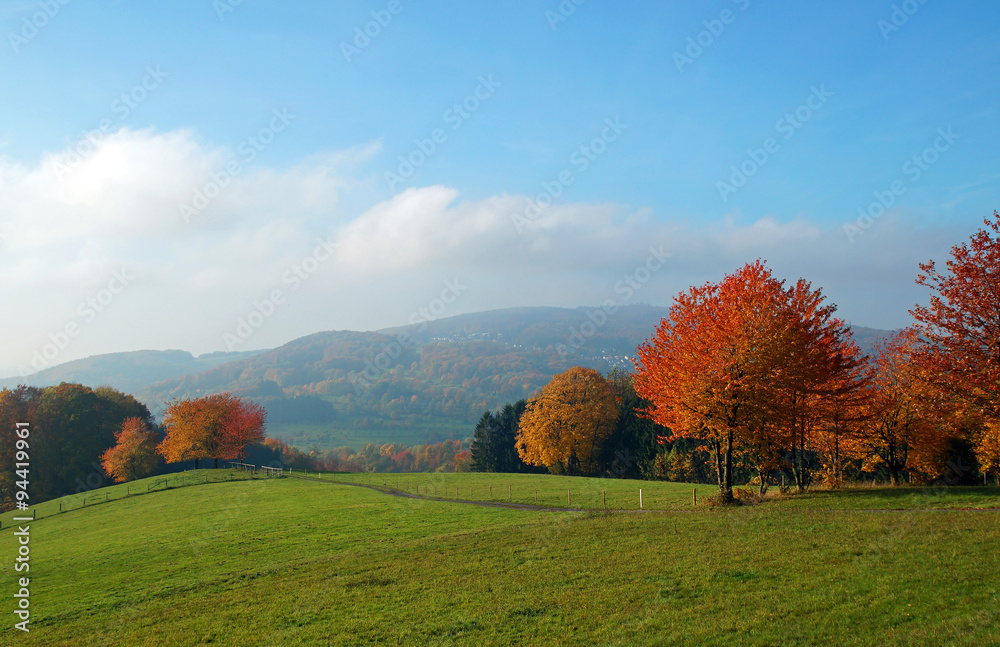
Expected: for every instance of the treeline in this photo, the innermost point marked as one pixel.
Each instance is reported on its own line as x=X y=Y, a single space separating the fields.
x=572 y=433
x=445 y=456
x=71 y=426
x=83 y=438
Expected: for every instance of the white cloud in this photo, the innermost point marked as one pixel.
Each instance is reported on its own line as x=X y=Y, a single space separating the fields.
x=120 y=208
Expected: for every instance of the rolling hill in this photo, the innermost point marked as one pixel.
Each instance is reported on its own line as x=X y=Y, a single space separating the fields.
x=129 y=371
x=295 y=561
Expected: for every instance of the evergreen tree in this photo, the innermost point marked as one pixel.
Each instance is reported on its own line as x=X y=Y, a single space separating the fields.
x=493 y=445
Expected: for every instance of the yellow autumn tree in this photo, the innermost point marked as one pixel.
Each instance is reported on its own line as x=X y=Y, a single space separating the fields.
x=564 y=427
x=987 y=446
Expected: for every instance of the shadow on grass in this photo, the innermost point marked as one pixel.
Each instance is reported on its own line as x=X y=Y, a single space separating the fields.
x=904 y=491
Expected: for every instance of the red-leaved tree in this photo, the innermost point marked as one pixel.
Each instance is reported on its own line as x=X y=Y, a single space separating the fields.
x=217 y=426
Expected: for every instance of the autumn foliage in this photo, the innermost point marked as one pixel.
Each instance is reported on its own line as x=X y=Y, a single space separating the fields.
x=213 y=427
x=959 y=349
x=564 y=427
x=747 y=366
x=134 y=454
x=898 y=429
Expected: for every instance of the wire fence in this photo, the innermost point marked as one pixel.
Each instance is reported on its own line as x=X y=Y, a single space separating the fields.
x=528 y=490
x=137 y=488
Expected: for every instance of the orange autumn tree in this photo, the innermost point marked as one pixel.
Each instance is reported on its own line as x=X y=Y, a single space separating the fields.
x=901 y=428
x=846 y=411
x=741 y=366
x=821 y=378
x=213 y=427
x=564 y=427
x=959 y=347
x=134 y=454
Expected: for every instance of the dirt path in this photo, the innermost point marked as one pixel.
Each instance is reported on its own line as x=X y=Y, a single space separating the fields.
x=484 y=504
x=543 y=508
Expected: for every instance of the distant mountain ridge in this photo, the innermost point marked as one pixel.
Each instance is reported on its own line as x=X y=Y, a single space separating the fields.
x=417 y=383
x=127 y=371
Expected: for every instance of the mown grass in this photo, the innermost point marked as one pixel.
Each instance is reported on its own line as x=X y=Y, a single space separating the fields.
x=532 y=489
x=98 y=496
x=622 y=494
x=293 y=562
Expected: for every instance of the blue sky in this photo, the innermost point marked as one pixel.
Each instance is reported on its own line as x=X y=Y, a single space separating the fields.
x=696 y=89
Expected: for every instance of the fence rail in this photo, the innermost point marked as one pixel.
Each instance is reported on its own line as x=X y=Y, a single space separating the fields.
x=159 y=484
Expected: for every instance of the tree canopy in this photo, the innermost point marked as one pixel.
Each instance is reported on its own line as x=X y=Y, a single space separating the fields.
x=564 y=427
x=743 y=365
x=212 y=427
x=134 y=454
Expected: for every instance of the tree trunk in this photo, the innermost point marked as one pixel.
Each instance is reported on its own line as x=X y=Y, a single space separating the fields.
x=722 y=470
x=196 y=463
x=727 y=492
x=800 y=476
x=894 y=476
x=717 y=450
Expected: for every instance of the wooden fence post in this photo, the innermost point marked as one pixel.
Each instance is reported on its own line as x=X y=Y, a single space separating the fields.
x=569 y=498
x=640 y=498
x=694 y=495
x=604 y=498
x=536 y=495
x=510 y=497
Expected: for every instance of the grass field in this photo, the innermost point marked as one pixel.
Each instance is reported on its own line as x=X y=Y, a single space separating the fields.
x=294 y=562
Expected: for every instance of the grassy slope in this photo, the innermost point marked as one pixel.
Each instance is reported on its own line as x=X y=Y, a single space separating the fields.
x=297 y=563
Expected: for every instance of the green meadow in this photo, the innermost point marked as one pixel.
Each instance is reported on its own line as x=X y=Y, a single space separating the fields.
x=308 y=561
